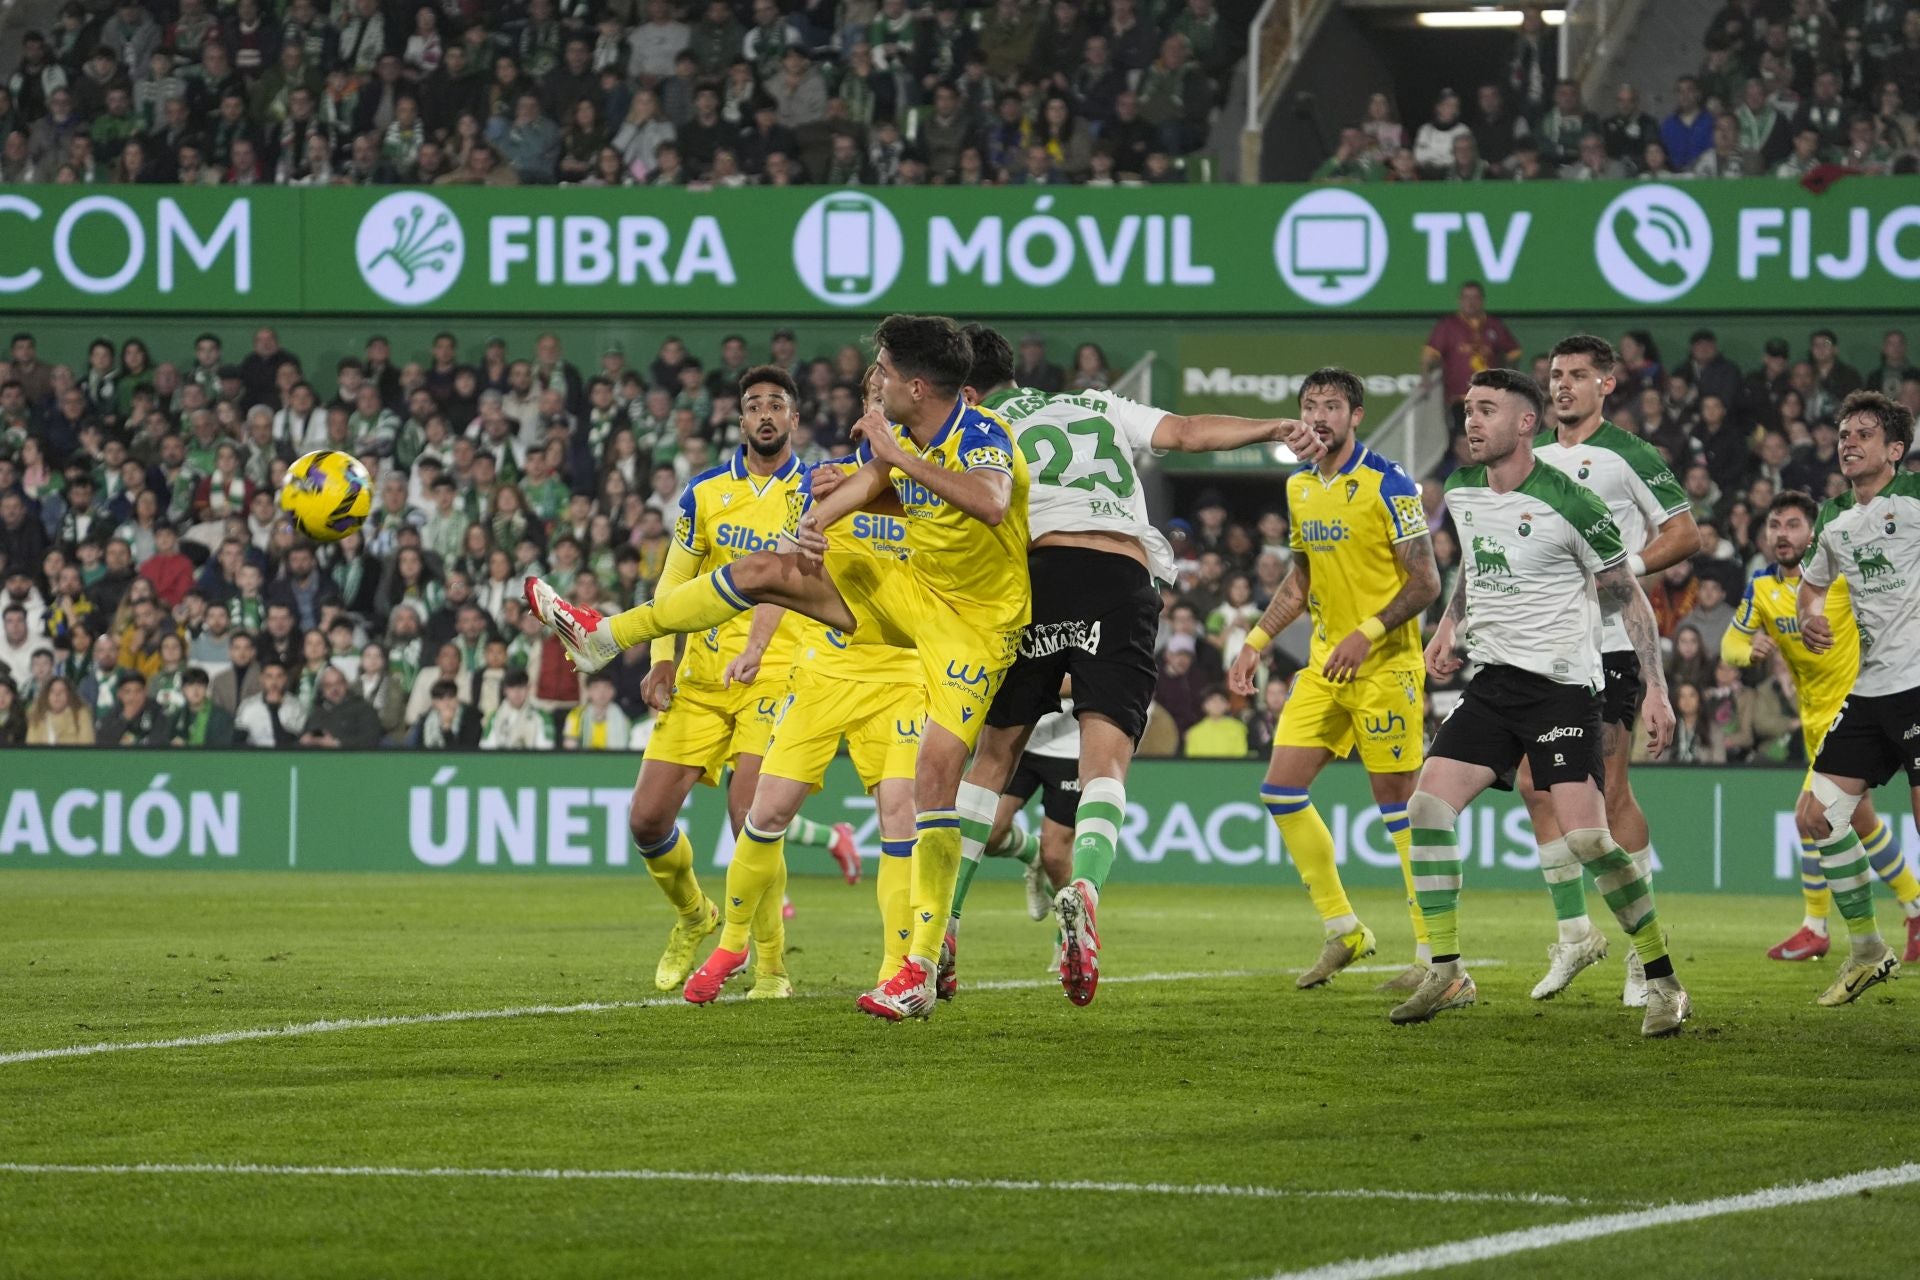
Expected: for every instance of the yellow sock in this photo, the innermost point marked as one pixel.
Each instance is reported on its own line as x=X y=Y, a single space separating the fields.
x=1310 y=845
x=706 y=601
x=670 y=863
x=770 y=922
x=895 y=891
x=757 y=858
x=1401 y=832
x=936 y=868
x=1890 y=864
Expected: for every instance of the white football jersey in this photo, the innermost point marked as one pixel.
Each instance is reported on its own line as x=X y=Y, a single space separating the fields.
x=1080 y=450
x=1875 y=546
x=1633 y=480
x=1057 y=735
x=1529 y=558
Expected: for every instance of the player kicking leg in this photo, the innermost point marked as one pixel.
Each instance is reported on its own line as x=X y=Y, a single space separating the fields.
x=1546 y=563
x=1870 y=537
x=960 y=600
x=1657 y=527
x=1363 y=566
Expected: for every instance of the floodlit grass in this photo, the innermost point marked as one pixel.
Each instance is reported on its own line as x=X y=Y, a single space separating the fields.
x=1238 y=1080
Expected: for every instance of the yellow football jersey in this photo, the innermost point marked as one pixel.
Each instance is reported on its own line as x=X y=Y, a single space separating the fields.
x=1348 y=527
x=829 y=652
x=1823 y=679
x=727 y=514
x=980 y=569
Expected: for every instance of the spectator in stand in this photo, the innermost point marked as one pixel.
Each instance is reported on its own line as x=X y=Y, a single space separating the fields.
x=1593 y=164
x=1467 y=342
x=1383 y=126
x=135 y=720
x=1433 y=145
x=1496 y=128
x=1035 y=370
x=1218 y=734
x=1725 y=159
x=1708 y=371
x=1176 y=98
x=58 y=717
x=449 y=724
x=200 y=721
x=1687 y=133
x=1562 y=128
x=1836 y=378
x=1629 y=129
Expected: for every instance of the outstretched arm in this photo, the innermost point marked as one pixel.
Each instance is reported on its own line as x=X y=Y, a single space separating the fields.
x=1620 y=595
x=1217 y=432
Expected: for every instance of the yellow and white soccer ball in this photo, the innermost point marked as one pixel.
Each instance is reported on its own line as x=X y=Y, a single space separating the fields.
x=328 y=493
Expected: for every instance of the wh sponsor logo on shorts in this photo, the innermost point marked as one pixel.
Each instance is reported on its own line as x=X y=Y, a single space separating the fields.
x=1394 y=723
x=1562 y=731
x=1043 y=638
x=967 y=675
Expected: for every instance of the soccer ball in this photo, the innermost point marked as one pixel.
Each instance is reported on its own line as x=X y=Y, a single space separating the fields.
x=328 y=494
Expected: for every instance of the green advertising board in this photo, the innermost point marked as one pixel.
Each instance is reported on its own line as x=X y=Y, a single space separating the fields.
x=527 y=814
x=1727 y=247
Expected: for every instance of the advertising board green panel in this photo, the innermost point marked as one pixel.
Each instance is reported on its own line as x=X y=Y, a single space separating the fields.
x=1187 y=823
x=1735 y=246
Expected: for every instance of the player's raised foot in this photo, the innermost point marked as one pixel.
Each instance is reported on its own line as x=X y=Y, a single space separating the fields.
x=1912 y=953
x=1407 y=980
x=946 y=982
x=1079 y=942
x=907 y=994
x=1857 y=975
x=1805 y=944
x=1667 y=1007
x=1446 y=986
x=771 y=986
x=786 y=908
x=1633 y=993
x=586 y=634
x=682 y=943
x=705 y=984
x=1339 y=951
x=1566 y=959
x=1039 y=891
x=845 y=852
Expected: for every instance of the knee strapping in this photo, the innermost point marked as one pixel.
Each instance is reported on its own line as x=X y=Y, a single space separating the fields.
x=1836 y=804
x=1557 y=862
x=1431 y=813
x=1590 y=844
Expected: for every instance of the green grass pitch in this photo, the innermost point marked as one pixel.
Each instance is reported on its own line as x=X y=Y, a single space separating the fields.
x=1545 y=1114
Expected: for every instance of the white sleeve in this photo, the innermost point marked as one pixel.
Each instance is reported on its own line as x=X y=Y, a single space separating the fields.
x=1134 y=421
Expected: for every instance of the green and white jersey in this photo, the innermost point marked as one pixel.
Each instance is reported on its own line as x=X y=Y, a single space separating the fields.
x=1529 y=558
x=1634 y=481
x=1875 y=546
x=1080 y=450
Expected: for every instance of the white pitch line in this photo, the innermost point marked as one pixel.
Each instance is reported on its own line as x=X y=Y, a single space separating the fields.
x=1486 y=1248
x=324 y=1025
x=1219 y=1189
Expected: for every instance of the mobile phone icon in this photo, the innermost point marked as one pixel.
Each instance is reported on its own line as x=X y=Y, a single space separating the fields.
x=847 y=231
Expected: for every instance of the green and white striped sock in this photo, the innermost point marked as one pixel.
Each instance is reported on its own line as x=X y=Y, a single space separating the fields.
x=805 y=831
x=1851 y=880
x=1096 y=830
x=1436 y=873
x=975 y=805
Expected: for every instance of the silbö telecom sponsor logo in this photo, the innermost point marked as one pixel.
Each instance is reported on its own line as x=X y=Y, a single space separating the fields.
x=410 y=248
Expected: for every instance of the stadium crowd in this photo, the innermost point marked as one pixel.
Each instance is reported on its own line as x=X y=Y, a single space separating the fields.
x=154 y=594
x=625 y=92
x=1808 y=91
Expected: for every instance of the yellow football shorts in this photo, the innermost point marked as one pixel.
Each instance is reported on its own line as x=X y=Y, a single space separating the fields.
x=1382 y=712
x=881 y=723
x=961 y=664
x=711 y=728
x=1815 y=724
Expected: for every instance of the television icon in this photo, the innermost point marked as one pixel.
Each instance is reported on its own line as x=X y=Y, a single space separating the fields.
x=1332 y=245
